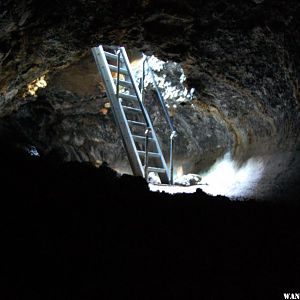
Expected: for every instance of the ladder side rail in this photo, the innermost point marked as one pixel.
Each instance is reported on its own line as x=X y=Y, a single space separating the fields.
x=145 y=114
x=118 y=113
x=146 y=153
x=118 y=74
x=135 y=87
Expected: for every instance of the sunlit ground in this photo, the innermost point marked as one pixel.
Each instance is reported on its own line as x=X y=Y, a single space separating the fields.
x=224 y=178
x=173 y=189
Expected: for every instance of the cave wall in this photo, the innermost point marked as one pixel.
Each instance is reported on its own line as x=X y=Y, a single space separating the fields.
x=242 y=59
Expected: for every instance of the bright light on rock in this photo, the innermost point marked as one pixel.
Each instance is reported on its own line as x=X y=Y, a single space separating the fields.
x=172 y=87
x=32 y=151
x=153 y=178
x=33 y=86
x=226 y=178
x=178 y=172
x=174 y=189
x=188 y=180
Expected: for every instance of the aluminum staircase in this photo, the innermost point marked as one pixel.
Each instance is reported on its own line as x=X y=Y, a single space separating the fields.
x=132 y=119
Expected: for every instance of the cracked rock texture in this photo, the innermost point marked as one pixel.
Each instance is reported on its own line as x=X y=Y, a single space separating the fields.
x=241 y=58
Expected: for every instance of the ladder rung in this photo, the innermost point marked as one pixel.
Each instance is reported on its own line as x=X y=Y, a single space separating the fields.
x=115 y=69
x=124 y=83
x=111 y=47
x=131 y=109
x=150 y=154
x=158 y=170
x=111 y=55
x=128 y=97
x=142 y=139
x=136 y=123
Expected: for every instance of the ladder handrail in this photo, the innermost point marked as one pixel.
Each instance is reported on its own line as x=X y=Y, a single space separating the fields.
x=166 y=113
x=159 y=94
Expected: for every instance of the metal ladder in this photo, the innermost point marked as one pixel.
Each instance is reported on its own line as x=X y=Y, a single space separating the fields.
x=131 y=117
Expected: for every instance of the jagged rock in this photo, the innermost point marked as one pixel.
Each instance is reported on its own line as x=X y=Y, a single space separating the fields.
x=187 y=180
x=153 y=178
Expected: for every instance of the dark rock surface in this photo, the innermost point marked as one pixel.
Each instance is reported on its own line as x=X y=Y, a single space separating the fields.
x=73 y=231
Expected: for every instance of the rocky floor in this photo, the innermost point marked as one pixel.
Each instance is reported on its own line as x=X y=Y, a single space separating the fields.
x=72 y=231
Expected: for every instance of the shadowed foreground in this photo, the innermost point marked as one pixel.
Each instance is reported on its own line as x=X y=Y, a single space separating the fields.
x=74 y=231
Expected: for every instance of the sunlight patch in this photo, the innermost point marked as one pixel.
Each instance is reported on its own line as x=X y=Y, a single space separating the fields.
x=169 y=76
x=227 y=179
x=170 y=79
x=32 y=151
x=224 y=178
x=33 y=86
